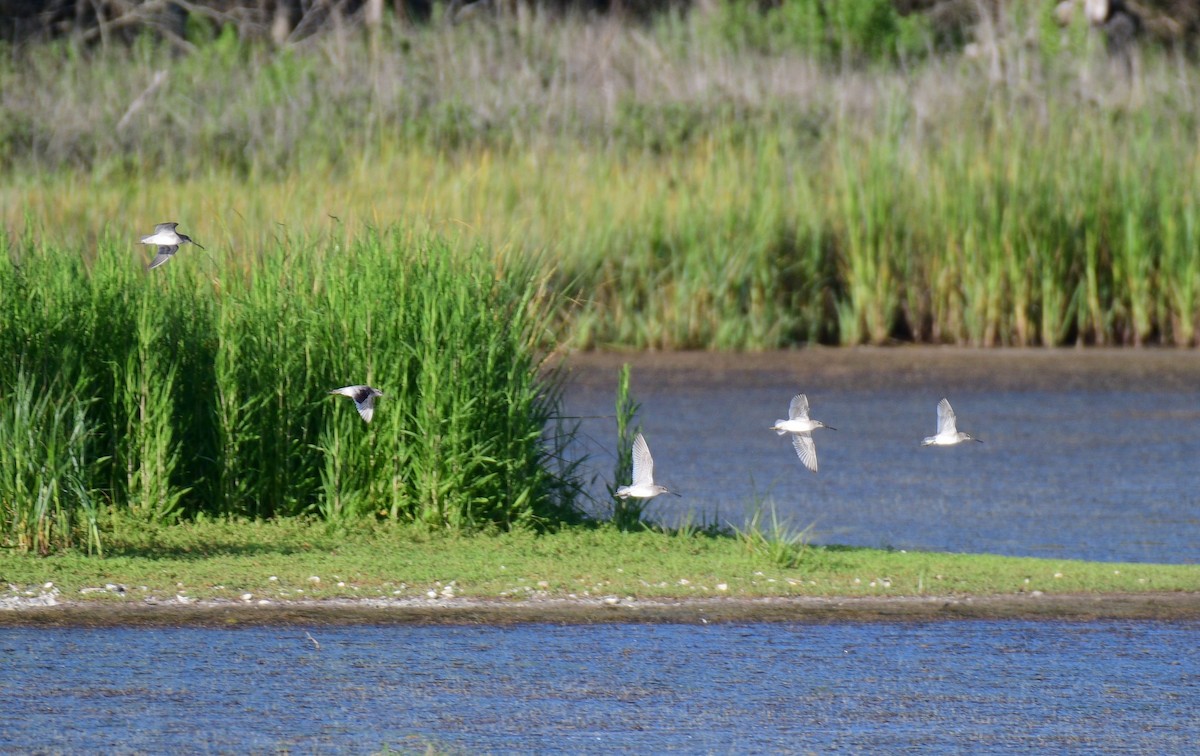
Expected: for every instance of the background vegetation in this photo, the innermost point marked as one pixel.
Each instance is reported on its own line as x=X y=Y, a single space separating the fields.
x=710 y=180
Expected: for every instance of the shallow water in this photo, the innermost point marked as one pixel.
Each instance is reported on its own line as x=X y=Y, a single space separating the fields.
x=941 y=687
x=1085 y=455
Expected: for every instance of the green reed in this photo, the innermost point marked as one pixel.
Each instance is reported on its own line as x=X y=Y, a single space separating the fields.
x=626 y=513
x=202 y=387
x=47 y=495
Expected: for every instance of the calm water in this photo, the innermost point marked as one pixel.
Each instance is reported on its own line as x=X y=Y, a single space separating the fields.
x=1089 y=456
x=944 y=687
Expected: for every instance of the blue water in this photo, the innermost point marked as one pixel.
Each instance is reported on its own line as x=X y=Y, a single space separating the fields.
x=1099 y=467
x=931 y=688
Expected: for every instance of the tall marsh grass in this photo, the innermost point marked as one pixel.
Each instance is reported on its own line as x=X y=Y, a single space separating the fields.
x=682 y=183
x=201 y=387
x=47 y=495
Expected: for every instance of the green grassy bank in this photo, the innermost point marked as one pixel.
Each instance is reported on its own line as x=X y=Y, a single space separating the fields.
x=295 y=561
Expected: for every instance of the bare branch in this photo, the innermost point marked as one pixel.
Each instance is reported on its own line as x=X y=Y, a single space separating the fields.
x=140 y=100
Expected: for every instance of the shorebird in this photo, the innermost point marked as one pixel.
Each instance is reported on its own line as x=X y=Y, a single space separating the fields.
x=168 y=242
x=364 y=398
x=643 y=486
x=948 y=433
x=801 y=428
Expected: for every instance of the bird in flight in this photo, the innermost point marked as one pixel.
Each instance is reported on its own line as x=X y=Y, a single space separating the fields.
x=948 y=433
x=643 y=486
x=168 y=241
x=801 y=428
x=364 y=399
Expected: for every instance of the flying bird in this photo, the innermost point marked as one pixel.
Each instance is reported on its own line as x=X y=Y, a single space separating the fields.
x=364 y=399
x=643 y=486
x=948 y=433
x=801 y=428
x=168 y=241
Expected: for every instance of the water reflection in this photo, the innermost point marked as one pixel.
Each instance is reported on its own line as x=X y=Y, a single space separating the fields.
x=1086 y=455
x=944 y=687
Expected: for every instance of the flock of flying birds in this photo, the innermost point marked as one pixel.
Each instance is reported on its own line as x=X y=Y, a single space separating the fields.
x=801 y=426
x=798 y=423
x=167 y=240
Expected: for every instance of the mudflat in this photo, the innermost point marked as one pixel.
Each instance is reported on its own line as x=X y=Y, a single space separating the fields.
x=500 y=612
x=866 y=368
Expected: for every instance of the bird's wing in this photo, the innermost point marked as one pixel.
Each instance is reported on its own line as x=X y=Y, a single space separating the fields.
x=946 y=422
x=366 y=407
x=798 y=408
x=805 y=449
x=164 y=254
x=165 y=227
x=643 y=463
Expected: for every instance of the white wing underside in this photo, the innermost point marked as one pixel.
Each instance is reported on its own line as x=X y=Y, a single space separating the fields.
x=643 y=463
x=946 y=424
x=798 y=409
x=806 y=450
x=366 y=408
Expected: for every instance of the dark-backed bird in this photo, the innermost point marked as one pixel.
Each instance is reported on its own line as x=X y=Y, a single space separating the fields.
x=364 y=398
x=168 y=241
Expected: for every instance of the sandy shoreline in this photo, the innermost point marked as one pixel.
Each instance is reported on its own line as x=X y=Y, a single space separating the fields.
x=467 y=611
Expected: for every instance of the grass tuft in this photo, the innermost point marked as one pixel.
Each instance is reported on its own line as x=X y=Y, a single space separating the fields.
x=776 y=541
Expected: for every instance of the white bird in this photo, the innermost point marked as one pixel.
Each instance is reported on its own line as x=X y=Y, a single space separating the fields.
x=643 y=486
x=364 y=398
x=801 y=428
x=948 y=433
x=168 y=241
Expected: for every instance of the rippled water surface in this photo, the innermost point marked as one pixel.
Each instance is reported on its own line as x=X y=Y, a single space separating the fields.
x=1086 y=454
x=943 y=687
